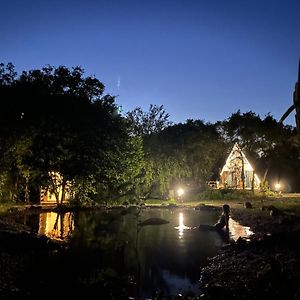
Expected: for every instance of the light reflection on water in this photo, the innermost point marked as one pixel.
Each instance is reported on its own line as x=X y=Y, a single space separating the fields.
x=165 y=258
x=181 y=226
x=56 y=226
x=61 y=226
x=237 y=230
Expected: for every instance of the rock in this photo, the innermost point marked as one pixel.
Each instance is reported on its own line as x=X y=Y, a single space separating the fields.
x=199 y=206
x=274 y=211
x=247 y=205
x=264 y=208
x=204 y=207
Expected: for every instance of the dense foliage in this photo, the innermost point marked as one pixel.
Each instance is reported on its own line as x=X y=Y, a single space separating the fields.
x=56 y=121
x=58 y=129
x=272 y=147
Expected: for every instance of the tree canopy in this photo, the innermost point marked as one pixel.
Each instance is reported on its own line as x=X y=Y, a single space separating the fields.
x=55 y=120
x=59 y=127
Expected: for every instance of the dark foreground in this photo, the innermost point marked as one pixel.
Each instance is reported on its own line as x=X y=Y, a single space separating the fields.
x=266 y=266
x=262 y=269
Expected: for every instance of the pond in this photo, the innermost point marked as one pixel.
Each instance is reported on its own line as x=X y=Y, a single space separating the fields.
x=110 y=251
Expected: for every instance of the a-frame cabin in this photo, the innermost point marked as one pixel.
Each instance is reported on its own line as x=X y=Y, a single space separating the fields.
x=237 y=173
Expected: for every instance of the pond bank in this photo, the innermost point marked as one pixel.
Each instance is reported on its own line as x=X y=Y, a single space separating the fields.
x=266 y=267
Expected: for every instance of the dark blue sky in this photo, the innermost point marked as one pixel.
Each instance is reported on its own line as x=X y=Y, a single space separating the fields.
x=200 y=59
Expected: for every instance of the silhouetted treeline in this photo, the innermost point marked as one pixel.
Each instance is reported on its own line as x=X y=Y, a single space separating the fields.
x=57 y=121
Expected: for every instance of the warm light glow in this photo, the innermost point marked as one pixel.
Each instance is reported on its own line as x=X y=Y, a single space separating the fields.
x=237 y=230
x=234 y=159
x=180 y=192
x=56 y=226
x=277 y=186
x=181 y=226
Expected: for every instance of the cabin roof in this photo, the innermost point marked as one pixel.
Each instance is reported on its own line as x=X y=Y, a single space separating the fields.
x=237 y=154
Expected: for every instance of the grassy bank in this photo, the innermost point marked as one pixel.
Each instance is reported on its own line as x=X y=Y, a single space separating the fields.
x=6 y=207
x=288 y=204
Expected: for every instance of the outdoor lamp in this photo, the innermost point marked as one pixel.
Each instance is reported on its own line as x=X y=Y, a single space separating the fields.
x=180 y=192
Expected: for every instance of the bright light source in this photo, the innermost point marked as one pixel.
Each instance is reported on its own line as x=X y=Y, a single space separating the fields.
x=277 y=186
x=180 y=192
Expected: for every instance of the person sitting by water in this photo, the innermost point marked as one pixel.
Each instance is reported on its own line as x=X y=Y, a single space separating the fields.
x=223 y=221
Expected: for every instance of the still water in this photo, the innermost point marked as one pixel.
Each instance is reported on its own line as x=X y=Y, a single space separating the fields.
x=111 y=250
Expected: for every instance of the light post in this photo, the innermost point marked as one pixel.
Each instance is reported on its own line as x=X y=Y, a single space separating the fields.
x=278 y=187
x=180 y=192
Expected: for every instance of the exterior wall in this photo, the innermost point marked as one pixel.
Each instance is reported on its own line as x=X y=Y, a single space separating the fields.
x=232 y=181
x=46 y=197
x=49 y=198
x=237 y=164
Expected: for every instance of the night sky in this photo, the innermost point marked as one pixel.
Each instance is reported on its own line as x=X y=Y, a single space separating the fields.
x=200 y=59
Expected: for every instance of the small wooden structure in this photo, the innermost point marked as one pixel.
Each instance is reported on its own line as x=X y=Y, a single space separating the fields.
x=237 y=173
x=50 y=196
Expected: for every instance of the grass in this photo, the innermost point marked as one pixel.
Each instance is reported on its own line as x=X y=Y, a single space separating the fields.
x=290 y=205
x=157 y=202
x=5 y=207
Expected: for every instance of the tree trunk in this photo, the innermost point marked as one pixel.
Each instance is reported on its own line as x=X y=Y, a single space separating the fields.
x=55 y=190
x=15 y=193
x=62 y=216
x=63 y=192
x=265 y=174
x=26 y=193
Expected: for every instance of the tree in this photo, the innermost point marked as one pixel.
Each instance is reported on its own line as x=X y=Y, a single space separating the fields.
x=262 y=139
x=56 y=121
x=185 y=153
x=150 y=122
x=125 y=174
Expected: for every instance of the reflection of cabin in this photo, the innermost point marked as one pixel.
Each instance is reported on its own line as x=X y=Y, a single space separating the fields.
x=48 y=196
x=56 y=226
x=235 y=169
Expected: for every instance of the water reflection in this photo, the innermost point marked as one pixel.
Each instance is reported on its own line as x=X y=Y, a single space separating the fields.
x=56 y=226
x=60 y=226
x=237 y=230
x=181 y=226
x=108 y=251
